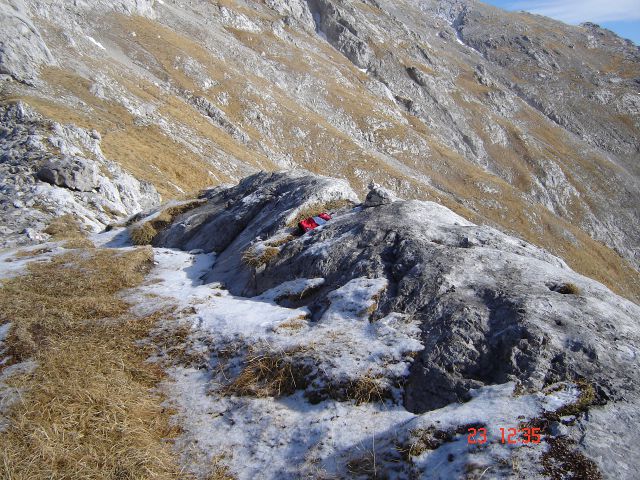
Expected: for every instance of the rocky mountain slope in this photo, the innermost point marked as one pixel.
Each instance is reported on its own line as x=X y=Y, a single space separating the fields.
x=368 y=347
x=509 y=119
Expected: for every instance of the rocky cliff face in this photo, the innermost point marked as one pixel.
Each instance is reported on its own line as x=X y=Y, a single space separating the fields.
x=49 y=170
x=485 y=308
x=487 y=112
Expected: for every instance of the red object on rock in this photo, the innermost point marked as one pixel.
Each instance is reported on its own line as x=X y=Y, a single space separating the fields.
x=314 y=222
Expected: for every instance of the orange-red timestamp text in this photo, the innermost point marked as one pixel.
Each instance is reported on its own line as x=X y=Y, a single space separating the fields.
x=511 y=436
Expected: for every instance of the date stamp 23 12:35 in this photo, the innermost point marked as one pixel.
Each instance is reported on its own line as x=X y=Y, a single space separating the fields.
x=511 y=436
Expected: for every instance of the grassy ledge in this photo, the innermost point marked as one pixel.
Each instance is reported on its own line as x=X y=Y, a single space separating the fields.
x=89 y=409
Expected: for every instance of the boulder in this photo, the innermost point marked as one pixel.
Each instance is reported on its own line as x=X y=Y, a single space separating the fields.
x=259 y=206
x=379 y=195
x=73 y=173
x=492 y=308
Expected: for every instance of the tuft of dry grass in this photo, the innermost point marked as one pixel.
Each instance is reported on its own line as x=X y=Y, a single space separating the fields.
x=293 y=324
x=175 y=341
x=365 y=466
x=367 y=389
x=318 y=208
x=422 y=439
x=268 y=373
x=88 y=409
x=567 y=289
x=144 y=233
x=564 y=459
x=256 y=259
x=67 y=228
x=31 y=253
x=281 y=240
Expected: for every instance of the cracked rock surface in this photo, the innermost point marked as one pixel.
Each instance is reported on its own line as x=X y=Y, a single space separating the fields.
x=491 y=308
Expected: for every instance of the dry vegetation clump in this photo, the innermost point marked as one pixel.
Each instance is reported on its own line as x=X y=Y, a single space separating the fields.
x=175 y=343
x=268 y=373
x=256 y=258
x=31 y=253
x=422 y=439
x=567 y=289
x=144 y=233
x=367 y=389
x=67 y=228
x=563 y=459
x=277 y=242
x=293 y=324
x=365 y=466
x=318 y=208
x=586 y=399
x=88 y=410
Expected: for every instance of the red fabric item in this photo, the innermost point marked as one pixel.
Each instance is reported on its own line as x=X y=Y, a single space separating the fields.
x=307 y=225
x=310 y=224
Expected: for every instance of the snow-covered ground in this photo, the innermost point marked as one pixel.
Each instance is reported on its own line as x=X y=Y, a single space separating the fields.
x=290 y=437
x=317 y=435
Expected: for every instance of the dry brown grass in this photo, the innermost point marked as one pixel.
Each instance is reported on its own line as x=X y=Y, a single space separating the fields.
x=365 y=466
x=586 y=399
x=144 y=233
x=175 y=342
x=256 y=259
x=564 y=459
x=367 y=389
x=422 y=439
x=31 y=253
x=268 y=373
x=88 y=409
x=293 y=324
x=278 y=242
x=67 y=228
x=567 y=289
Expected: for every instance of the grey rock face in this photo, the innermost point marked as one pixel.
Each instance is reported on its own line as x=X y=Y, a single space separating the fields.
x=70 y=172
x=218 y=117
x=488 y=302
x=234 y=218
x=340 y=29
x=558 y=73
x=297 y=9
x=22 y=49
x=492 y=308
x=379 y=195
x=48 y=170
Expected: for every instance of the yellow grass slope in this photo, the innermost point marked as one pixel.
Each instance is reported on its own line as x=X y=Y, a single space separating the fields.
x=89 y=409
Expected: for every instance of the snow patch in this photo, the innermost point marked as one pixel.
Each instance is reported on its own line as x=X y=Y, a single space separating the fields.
x=95 y=42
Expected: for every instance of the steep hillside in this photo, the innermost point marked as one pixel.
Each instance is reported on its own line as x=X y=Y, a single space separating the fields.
x=511 y=120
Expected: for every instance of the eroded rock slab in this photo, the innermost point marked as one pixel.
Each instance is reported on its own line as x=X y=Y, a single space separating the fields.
x=491 y=308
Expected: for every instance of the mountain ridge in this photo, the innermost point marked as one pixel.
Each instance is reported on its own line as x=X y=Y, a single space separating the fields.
x=485 y=111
